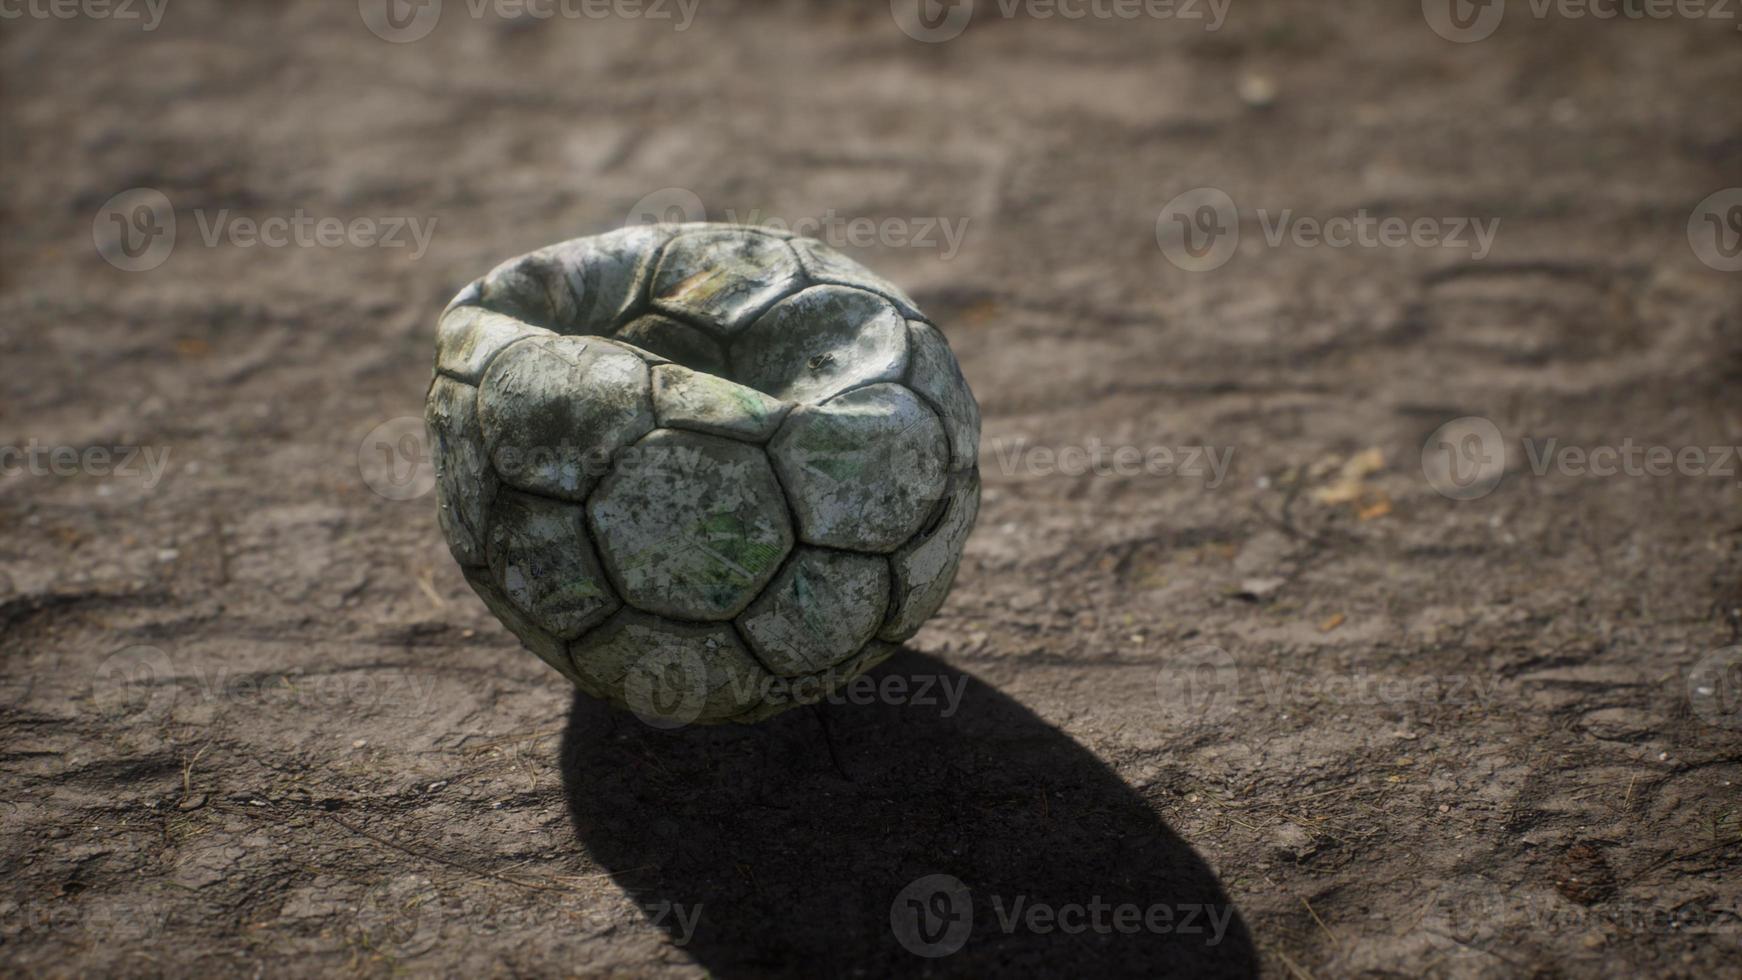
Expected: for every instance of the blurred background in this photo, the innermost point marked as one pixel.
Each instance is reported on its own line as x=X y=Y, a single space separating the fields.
x=1384 y=636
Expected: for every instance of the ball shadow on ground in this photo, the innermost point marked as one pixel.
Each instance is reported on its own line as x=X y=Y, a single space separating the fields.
x=817 y=843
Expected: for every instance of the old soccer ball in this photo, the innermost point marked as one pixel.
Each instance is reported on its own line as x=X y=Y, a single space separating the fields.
x=706 y=472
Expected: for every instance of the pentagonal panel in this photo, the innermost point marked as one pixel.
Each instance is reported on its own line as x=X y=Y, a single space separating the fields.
x=685 y=399
x=863 y=470
x=608 y=274
x=724 y=277
x=469 y=337
x=821 y=608
x=925 y=568
x=541 y=560
x=555 y=411
x=534 y=288
x=935 y=374
x=675 y=341
x=825 y=265
x=691 y=526
x=821 y=342
x=671 y=673
x=546 y=645
x=464 y=481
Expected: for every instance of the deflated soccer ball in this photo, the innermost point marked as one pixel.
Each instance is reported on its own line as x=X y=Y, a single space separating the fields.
x=707 y=472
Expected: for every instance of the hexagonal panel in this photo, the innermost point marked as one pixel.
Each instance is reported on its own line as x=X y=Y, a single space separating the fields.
x=469 y=337
x=675 y=341
x=555 y=410
x=821 y=608
x=825 y=265
x=724 y=277
x=671 y=673
x=820 y=342
x=691 y=526
x=863 y=470
x=925 y=567
x=541 y=560
x=465 y=483
x=549 y=649
x=935 y=374
x=685 y=399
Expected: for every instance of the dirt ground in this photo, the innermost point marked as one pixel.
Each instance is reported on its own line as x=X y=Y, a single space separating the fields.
x=254 y=722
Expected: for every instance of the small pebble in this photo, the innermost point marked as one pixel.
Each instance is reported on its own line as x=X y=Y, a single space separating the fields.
x=1257 y=91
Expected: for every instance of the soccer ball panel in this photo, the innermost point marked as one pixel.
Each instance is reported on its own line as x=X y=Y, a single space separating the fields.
x=691 y=526
x=547 y=646
x=825 y=265
x=470 y=337
x=555 y=409
x=608 y=274
x=541 y=560
x=925 y=568
x=671 y=673
x=675 y=341
x=821 y=609
x=935 y=374
x=863 y=470
x=821 y=342
x=686 y=399
x=534 y=288
x=465 y=483
x=723 y=277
